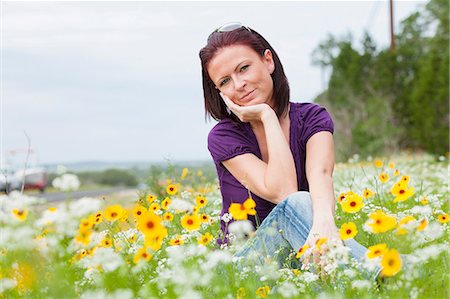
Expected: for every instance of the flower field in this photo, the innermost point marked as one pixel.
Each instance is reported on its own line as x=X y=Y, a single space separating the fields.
x=163 y=244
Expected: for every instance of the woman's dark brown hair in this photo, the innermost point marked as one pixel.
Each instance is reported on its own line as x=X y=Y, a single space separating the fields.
x=214 y=105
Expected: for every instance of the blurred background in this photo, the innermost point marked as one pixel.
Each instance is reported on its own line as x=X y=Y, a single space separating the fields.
x=101 y=85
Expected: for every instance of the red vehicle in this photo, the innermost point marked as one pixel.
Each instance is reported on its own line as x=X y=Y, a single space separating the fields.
x=33 y=177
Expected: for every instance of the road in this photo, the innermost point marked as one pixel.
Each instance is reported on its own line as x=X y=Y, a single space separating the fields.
x=58 y=196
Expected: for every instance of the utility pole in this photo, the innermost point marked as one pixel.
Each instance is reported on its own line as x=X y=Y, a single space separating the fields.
x=391 y=8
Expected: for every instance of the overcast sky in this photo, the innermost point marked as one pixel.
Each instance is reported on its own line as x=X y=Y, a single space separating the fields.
x=120 y=81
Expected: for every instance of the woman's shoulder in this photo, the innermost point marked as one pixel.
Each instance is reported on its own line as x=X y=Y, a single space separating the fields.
x=303 y=108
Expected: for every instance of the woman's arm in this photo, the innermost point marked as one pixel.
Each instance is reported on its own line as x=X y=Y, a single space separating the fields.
x=319 y=173
x=275 y=179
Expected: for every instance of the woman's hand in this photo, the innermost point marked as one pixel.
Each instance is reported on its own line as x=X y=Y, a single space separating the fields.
x=247 y=113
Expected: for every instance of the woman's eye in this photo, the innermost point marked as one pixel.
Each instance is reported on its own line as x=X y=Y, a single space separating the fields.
x=244 y=68
x=223 y=82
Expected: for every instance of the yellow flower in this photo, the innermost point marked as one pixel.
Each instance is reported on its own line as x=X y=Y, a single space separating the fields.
x=52 y=209
x=98 y=218
x=443 y=218
x=20 y=214
x=401 y=191
x=204 y=218
x=84 y=237
x=151 y=198
x=376 y=250
x=341 y=197
x=138 y=211
x=262 y=292
x=352 y=203
x=200 y=200
x=391 y=165
x=396 y=172
x=205 y=239
x=241 y=211
x=106 y=242
x=240 y=293
x=171 y=189
x=404 y=179
x=320 y=242
x=142 y=254
x=190 y=222
x=155 y=241
x=184 y=173
x=384 y=177
x=150 y=224
x=381 y=222
x=301 y=251
x=86 y=224
x=367 y=193
x=391 y=263
x=424 y=200
x=154 y=207
x=378 y=163
x=401 y=230
x=178 y=240
x=348 y=231
x=113 y=213
x=166 y=203
x=422 y=224
x=168 y=216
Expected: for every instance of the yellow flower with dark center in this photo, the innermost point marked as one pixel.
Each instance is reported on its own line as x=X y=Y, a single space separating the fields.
x=151 y=198
x=190 y=222
x=401 y=191
x=142 y=255
x=86 y=224
x=166 y=203
x=422 y=224
x=20 y=214
x=98 y=218
x=384 y=177
x=200 y=200
x=150 y=224
x=320 y=242
x=391 y=263
x=106 y=242
x=168 y=216
x=424 y=200
x=138 y=211
x=348 y=231
x=443 y=218
x=341 y=197
x=241 y=211
x=171 y=189
x=83 y=237
x=391 y=165
x=301 y=251
x=404 y=179
x=352 y=203
x=367 y=193
x=376 y=250
x=205 y=239
x=132 y=239
x=155 y=241
x=378 y=163
x=204 y=218
x=262 y=292
x=184 y=173
x=396 y=172
x=400 y=229
x=154 y=207
x=381 y=222
x=113 y=213
x=178 y=240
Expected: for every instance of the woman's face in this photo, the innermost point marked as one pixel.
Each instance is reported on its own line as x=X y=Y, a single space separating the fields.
x=242 y=75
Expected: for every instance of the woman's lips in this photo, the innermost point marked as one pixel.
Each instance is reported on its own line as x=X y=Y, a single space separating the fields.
x=247 y=96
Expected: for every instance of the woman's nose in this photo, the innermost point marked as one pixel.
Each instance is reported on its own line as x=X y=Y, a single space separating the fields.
x=239 y=83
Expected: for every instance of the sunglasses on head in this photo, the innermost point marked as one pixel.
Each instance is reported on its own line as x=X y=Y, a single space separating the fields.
x=231 y=26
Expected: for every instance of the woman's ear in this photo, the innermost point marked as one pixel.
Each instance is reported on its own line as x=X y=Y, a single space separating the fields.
x=268 y=60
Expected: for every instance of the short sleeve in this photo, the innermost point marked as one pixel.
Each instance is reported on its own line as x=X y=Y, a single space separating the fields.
x=315 y=119
x=227 y=140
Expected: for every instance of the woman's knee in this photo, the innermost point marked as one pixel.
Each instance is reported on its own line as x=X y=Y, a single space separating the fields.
x=300 y=202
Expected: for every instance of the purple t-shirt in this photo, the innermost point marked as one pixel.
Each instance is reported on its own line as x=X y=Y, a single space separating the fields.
x=228 y=139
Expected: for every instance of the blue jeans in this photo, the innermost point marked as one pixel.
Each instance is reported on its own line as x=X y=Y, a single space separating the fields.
x=286 y=229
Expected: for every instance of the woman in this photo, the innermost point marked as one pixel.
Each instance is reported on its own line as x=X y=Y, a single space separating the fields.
x=280 y=152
